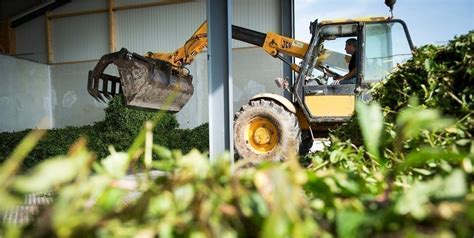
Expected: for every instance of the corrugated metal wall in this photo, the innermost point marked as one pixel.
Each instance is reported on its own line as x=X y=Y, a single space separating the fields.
x=261 y=15
x=157 y=29
x=165 y=28
x=80 y=37
x=31 y=40
x=81 y=5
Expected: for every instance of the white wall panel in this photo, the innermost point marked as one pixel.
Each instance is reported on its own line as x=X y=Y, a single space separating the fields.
x=71 y=103
x=158 y=29
x=129 y=2
x=25 y=95
x=261 y=15
x=31 y=40
x=81 y=5
x=80 y=37
x=165 y=28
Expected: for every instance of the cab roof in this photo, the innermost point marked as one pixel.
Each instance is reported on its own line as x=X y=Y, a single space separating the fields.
x=349 y=20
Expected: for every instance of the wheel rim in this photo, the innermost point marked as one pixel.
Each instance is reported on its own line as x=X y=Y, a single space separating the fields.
x=261 y=135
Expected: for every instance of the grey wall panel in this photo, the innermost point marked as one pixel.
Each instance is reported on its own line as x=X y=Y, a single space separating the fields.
x=71 y=103
x=166 y=28
x=81 y=5
x=31 y=40
x=25 y=95
x=254 y=72
x=196 y=111
x=130 y=2
x=158 y=29
x=80 y=37
x=261 y=15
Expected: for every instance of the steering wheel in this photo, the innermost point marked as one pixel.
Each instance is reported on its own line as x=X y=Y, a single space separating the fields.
x=329 y=73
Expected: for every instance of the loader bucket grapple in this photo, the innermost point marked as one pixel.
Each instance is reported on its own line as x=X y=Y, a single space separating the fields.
x=144 y=82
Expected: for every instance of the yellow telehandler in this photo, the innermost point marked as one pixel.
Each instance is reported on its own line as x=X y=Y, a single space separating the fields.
x=270 y=126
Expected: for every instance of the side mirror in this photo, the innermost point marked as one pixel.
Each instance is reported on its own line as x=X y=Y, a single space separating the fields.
x=390 y=4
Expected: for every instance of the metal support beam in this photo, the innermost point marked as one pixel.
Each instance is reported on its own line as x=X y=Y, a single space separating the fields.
x=287 y=29
x=219 y=20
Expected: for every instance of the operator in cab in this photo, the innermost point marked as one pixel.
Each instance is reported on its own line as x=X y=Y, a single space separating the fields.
x=351 y=76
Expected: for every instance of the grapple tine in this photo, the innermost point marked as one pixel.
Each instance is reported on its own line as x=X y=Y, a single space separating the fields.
x=97 y=91
x=113 y=90
x=105 y=87
x=91 y=87
x=89 y=84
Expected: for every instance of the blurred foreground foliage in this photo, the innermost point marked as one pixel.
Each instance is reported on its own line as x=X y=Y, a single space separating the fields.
x=406 y=161
x=411 y=176
x=190 y=197
x=346 y=191
x=119 y=128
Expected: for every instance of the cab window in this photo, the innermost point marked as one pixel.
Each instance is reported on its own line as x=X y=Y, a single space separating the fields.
x=386 y=46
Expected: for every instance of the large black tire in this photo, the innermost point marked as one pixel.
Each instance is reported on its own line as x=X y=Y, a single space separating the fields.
x=281 y=135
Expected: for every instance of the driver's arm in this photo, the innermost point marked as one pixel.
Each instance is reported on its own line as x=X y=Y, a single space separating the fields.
x=349 y=75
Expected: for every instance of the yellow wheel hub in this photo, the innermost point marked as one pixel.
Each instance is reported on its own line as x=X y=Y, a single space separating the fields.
x=261 y=135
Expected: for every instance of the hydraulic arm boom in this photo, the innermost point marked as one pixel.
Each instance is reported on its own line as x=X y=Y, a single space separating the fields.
x=272 y=43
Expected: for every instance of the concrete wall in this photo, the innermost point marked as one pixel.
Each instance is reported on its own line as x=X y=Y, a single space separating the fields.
x=25 y=95
x=71 y=103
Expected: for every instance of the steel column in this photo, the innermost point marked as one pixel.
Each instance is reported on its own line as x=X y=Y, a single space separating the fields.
x=288 y=30
x=219 y=20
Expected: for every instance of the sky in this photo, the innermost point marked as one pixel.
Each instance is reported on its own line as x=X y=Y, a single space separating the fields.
x=428 y=21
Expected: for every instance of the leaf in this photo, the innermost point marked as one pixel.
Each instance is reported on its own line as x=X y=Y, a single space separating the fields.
x=51 y=173
x=162 y=152
x=11 y=165
x=411 y=121
x=412 y=202
x=275 y=226
x=185 y=195
x=194 y=164
x=454 y=186
x=371 y=124
x=348 y=223
x=111 y=199
x=422 y=171
x=428 y=155
x=161 y=204
x=116 y=164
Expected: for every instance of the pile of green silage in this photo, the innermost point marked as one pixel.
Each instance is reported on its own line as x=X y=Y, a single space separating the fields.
x=120 y=127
